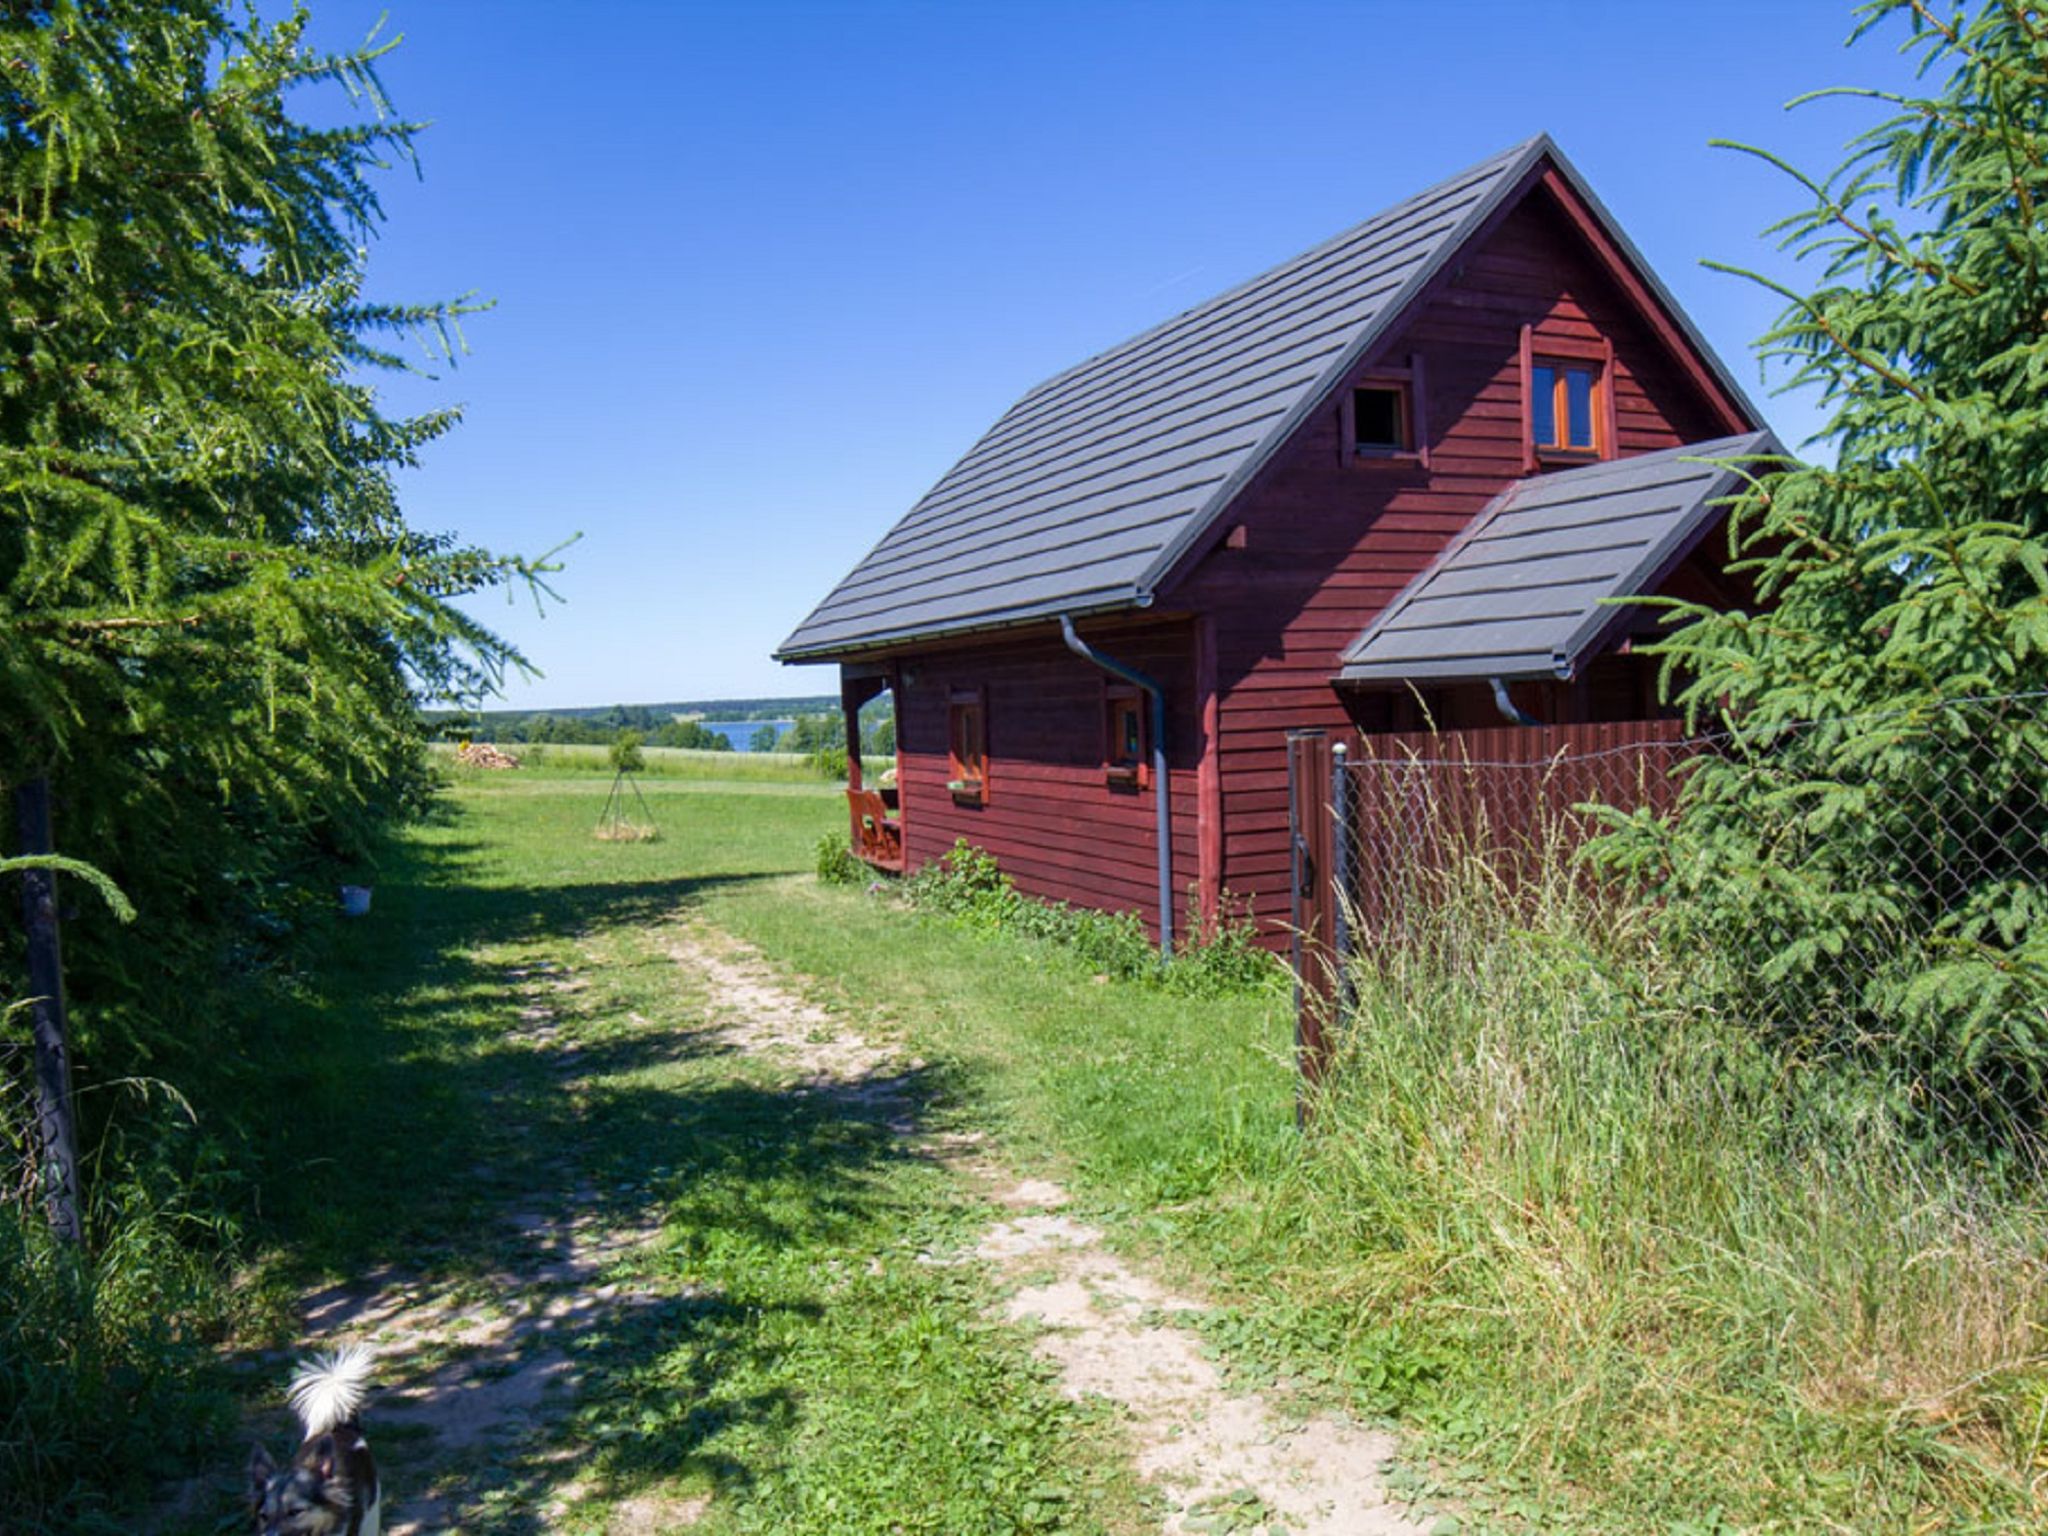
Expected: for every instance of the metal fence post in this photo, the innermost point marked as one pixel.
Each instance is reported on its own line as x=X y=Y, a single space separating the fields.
x=1342 y=836
x=57 y=1141
x=1309 y=765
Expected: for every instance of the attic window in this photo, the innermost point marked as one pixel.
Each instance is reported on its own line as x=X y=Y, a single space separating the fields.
x=1567 y=398
x=1562 y=402
x=1379 y=419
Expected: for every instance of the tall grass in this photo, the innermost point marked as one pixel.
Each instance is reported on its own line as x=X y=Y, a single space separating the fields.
x=1659 y=1257
x=564 y=758
x=103 y=1384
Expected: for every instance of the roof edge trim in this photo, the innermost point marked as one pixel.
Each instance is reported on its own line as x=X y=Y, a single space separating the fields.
x=835 y=650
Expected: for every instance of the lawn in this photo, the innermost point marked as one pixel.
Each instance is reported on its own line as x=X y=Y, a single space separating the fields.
x=787 y=1323
x=1558 y=1363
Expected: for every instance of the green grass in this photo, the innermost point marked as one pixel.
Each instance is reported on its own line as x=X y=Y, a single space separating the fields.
x=565 y=759
x=797 y=1329
x=1610 y=1268
x=1612 y=1263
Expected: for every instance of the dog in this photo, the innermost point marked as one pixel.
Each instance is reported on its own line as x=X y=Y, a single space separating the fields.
x=330 y=1488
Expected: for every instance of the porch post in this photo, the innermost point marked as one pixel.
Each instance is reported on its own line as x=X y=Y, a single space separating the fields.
x=853 y=692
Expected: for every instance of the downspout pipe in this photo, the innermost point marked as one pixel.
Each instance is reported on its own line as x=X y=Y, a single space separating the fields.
x=1507 y=706
x=1161 y=812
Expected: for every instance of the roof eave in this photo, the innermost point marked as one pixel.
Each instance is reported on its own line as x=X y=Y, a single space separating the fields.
x=868 y=645
x=1379 y=675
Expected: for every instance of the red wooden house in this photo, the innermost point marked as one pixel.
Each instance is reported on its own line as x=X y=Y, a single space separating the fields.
x=1398 y=478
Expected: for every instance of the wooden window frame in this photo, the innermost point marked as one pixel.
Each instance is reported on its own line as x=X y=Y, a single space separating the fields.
x=1121 y=700
x=967 y=779
x=1407 y=381
x=1571 y=352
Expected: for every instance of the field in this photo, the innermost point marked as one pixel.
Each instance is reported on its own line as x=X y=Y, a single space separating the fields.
x=556 y=760
x=666 y=1174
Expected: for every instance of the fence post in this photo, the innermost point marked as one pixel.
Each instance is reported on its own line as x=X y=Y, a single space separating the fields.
x=56 y=1137
x=1311 y=844
x=1344 y=875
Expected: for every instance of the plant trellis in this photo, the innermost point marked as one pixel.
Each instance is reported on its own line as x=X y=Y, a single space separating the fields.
x=616 y=825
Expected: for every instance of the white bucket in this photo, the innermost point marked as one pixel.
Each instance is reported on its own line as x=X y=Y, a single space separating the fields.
x=355 y=901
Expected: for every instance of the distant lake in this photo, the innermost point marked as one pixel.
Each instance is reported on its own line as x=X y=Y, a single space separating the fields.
x=741 y=732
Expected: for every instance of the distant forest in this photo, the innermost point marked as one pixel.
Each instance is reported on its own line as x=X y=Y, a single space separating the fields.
x=817 y=727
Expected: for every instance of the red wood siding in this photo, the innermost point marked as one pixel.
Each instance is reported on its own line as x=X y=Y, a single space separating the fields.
x=1327 y=542
x=1051 y=820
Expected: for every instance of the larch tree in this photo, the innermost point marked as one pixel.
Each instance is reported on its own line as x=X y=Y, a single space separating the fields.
x=215 y=621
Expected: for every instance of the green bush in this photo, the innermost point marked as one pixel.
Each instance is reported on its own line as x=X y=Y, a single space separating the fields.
x=1873 y=850
x=624 y=753
x=969 y=887
x=836 y=863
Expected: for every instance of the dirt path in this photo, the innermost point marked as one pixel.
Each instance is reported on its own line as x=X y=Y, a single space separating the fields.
x=472 y=1372
x=1222 y=1461
x=476 y=1373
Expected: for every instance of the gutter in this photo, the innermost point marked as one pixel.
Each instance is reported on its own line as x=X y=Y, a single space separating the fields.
x=1507 y=706
x=1161 y=813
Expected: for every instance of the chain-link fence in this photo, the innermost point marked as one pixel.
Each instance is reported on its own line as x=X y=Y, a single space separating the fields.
x=20 y=1163
x=1876 y=883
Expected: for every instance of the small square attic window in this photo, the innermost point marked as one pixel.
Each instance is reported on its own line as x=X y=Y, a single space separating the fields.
x=1379 y=419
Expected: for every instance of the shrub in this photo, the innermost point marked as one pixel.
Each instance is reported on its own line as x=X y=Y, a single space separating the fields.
x=1875 y=849
x=968 y=886
x=625 y=754
x=836 y=863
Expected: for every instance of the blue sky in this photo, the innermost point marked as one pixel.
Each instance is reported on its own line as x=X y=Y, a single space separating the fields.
x=763 y=270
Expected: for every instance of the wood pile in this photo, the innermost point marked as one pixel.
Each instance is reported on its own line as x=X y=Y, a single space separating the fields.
x=481 y=754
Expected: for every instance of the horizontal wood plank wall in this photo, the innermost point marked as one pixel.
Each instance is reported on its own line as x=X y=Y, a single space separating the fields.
x=1053 y=823
x=1325 y=542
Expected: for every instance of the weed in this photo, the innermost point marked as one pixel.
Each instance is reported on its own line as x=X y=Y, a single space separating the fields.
x=102 y=1362
x=1219 y=959
x=836 y=864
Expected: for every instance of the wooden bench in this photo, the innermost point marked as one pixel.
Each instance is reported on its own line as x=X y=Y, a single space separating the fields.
x=877 y=834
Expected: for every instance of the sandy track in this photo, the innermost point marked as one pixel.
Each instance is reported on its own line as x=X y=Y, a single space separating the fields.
x=1222 y=1460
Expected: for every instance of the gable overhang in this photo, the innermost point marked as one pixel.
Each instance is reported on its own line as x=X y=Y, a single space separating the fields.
x=1648 y=296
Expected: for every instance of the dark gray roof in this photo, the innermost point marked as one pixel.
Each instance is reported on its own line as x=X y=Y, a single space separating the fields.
x=1525 y=590
x=1089 y=489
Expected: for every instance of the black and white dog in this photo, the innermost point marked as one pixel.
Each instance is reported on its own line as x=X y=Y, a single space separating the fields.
x=330 y=1487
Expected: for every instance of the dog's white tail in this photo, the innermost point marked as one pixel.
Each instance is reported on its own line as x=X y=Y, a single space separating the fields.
x=328 y=1389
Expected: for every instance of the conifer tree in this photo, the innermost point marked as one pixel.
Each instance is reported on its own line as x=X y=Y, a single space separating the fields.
x=1871 y=853
x=199 y=540
x=214 y=619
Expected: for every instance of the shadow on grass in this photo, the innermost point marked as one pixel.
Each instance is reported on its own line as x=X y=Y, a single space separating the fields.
x=445 y=1134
